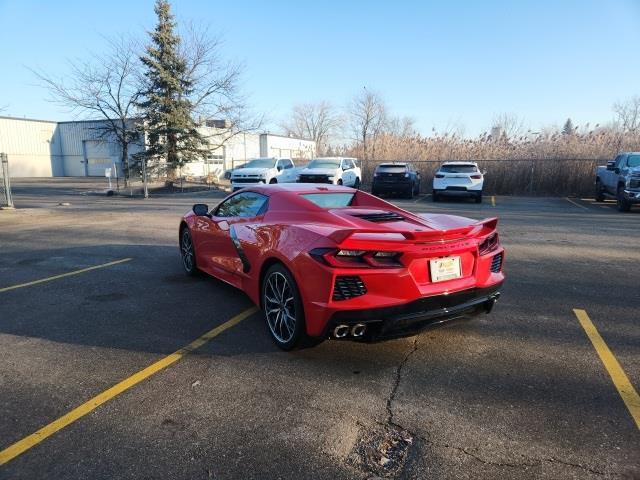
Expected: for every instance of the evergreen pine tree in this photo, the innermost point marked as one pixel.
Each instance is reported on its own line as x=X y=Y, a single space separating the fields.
x=568 y=127
x=172 y=133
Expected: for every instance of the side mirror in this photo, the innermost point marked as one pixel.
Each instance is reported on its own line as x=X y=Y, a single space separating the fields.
x=611 y=165
x=201 y=209
x=279 y=167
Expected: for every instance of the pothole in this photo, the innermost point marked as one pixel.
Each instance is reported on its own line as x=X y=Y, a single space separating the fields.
x=381 y=451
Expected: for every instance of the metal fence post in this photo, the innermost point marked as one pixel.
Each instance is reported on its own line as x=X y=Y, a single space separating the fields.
x=6 y=200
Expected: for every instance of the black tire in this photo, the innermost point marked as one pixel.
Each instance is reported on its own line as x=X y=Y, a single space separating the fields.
x=375 y=193
x=272 y=181
x=623 y=205
x=434 y=196
x=340 y=181
x=188 y=253
x=599 y=194
x=479 y=197
x=356 y=185
x=285 y=336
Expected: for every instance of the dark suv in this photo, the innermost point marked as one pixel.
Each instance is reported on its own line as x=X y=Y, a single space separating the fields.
x=396 y=177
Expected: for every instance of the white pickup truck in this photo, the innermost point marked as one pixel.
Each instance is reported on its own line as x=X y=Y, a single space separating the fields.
x=335 y=170
x=264 y=170
x=620 y=179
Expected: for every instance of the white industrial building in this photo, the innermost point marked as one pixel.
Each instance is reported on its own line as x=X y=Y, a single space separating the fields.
x=39 y=148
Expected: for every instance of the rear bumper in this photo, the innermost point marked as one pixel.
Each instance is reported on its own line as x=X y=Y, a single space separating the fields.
x=412 y=317
x=392 y=186
x=459 y=191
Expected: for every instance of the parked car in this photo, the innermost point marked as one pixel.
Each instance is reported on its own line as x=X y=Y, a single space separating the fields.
x=334 y=170
x=327 y=261
x=396 y=177
x=458 y=179
x=263 y=170
x=620 y=179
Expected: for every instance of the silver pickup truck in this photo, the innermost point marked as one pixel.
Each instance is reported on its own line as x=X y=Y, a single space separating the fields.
x=620 y=179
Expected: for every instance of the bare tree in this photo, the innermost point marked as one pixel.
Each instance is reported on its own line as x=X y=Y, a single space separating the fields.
x=507 y=126
x=106 y=86
x=314 y=121
x=627 y=114
x=367 y=113
x=401 y=127
x=215 y=81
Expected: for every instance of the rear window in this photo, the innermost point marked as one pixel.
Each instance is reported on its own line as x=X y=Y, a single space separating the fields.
x=458 y=168
x=391 y=169
x=330 y=200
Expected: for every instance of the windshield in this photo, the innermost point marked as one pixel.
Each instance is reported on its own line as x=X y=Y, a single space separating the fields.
x=458 y=168
x=330 y=200
x=324 y=163
x=634 y=161
x=260 y=163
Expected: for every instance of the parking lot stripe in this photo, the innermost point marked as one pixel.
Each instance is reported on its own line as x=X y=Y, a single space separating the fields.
x=63 y=275
x=620 y=380
x=493 y=200
x=576 y=203
x=35 y=438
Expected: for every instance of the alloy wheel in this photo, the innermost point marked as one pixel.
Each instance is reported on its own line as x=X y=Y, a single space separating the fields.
x=186 y=248
x=280 y=308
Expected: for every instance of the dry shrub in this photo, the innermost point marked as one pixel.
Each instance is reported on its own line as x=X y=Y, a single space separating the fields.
x=535 y=164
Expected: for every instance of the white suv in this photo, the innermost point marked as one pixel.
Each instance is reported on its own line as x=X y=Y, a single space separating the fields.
x=263 y=170
x=336 y=170
x=459 y=179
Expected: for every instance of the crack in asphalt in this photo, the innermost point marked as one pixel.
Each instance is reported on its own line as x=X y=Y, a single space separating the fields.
x=535 y=461
x=396 y=384
x=522 y=465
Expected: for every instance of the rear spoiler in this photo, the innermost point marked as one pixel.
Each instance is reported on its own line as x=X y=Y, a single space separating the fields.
x=481 y=228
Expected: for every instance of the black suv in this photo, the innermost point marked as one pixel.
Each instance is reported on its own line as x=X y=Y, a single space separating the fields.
x=396 y=177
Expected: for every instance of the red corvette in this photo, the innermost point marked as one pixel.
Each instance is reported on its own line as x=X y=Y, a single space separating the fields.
x=325 y=261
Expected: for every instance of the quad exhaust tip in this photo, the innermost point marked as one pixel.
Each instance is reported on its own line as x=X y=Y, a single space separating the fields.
x=358 y=330
x=341 y=331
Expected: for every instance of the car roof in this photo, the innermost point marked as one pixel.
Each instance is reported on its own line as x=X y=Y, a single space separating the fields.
x=460 y=163
x=298 y=188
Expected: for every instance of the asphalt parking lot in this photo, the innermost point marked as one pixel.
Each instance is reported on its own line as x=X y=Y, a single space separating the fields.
x=520 y=393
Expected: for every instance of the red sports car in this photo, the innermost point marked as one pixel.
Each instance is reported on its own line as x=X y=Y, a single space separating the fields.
x=325 y=261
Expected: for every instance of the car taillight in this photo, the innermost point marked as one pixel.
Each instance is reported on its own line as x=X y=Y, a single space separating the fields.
x=356 y=258
x=439 y=175
x=489 y=244
x=476 y=177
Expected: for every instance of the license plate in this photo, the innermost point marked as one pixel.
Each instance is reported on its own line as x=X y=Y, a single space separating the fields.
x=445 y=268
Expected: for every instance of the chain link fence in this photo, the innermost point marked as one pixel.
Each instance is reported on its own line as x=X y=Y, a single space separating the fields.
x=554 y=177
x=5 y=182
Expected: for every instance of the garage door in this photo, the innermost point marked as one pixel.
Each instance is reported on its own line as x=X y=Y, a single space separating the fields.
x=99 y=156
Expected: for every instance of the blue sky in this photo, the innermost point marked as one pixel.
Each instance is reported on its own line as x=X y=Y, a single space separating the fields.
x=441 y=63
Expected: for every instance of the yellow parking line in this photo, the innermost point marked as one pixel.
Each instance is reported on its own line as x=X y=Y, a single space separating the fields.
x=63 y=275
x=576 y=203
x=30 y=441
x=493 y=200
x=620 y=379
